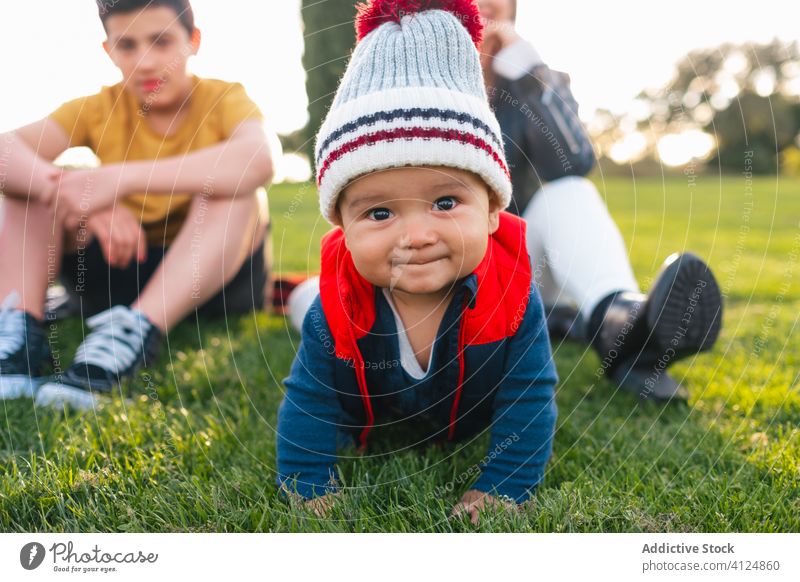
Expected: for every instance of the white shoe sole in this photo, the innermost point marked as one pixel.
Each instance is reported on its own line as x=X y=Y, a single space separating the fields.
x=54 y=395
x=18 y=386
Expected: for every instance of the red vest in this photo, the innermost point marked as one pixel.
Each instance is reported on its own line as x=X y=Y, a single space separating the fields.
x=495 y=313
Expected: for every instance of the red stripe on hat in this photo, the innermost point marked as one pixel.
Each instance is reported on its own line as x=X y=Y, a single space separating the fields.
x=412 y=133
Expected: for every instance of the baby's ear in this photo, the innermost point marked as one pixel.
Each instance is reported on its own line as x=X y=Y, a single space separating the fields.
x=336 y=218
x=494 y=212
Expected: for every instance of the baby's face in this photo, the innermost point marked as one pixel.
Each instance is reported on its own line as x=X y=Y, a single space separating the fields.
x=416 y=231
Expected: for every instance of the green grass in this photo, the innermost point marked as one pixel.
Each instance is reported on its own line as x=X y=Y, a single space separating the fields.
x=193 y=447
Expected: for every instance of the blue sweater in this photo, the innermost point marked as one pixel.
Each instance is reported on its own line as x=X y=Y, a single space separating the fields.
x=477 y=380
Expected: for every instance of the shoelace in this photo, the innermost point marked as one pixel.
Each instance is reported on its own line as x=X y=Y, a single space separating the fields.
x=117 y=338
x=12 y=326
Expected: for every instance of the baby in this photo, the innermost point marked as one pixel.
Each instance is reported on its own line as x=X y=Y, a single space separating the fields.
x=427 y=312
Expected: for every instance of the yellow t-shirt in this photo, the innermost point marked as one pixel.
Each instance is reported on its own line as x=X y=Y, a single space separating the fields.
x=111 y=124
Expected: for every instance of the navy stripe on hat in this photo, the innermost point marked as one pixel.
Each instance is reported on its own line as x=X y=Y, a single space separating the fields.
x=407 y=115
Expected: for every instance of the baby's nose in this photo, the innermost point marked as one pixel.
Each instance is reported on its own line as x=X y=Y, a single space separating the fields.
x=418 y=233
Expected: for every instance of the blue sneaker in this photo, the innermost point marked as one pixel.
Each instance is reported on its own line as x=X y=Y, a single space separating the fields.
x=121 y=342
x=23 y=349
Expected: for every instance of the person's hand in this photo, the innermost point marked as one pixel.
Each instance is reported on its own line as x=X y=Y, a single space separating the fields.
x=321 y=506
x=120 y=235
x=84 y=192
x=45 y=180
x=497 y=35
x=474 y=502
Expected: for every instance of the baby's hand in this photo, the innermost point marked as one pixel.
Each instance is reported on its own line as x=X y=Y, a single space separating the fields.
x=321 y=506
x=474 y=502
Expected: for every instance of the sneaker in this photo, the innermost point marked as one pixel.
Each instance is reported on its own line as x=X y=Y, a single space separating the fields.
x=122 y=340
x=23 y=349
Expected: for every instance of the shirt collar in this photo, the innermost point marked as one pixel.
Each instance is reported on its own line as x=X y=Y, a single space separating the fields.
x=470 y=286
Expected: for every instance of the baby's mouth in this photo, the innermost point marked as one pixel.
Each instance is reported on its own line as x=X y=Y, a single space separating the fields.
x=400 y=263
x=415 y=262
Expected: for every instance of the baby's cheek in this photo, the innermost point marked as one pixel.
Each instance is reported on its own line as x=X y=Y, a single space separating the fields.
x=474 y=252
x=372 y=266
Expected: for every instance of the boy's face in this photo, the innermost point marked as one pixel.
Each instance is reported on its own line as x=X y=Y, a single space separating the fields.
x=417 y=230
x=151 y=48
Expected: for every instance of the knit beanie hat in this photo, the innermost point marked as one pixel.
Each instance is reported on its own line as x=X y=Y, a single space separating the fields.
x=413 y=95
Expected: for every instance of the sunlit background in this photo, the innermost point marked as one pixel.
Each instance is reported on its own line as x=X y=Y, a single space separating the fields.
x=613 y=51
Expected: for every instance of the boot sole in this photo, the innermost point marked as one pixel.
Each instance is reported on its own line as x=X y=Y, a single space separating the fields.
x=684 y=308
x=649 y=383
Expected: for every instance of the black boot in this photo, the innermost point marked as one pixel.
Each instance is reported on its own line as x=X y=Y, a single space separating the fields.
x=639 y=336
x=562 y=322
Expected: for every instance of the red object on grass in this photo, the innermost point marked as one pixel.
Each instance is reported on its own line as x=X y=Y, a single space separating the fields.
x=378 y=12
x=282 y=287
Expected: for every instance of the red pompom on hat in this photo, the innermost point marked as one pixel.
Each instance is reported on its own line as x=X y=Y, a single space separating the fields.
x=378 y=12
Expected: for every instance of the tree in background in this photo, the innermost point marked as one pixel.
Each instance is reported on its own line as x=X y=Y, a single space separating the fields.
x=747 y=96
x=329 y=39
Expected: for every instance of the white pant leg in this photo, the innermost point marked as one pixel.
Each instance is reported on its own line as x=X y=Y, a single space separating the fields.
x=300 y=300
x=577 y=250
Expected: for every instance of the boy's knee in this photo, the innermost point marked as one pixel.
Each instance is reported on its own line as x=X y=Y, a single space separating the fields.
x=246 y=215
x=570 y=186
x=13 y=206
x=27 y=213
x=232 y=206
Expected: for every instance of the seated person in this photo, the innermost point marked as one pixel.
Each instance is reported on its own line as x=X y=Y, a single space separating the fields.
x=169 y=223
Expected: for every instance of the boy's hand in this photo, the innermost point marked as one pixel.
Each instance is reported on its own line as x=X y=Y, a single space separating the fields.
x=474 y=502
x=84 y=192
x=120 y=235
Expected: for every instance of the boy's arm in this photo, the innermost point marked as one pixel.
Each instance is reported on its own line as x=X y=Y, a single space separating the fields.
x=26 y=156
x=309 y=415
x=238 y=165
x=524 y=412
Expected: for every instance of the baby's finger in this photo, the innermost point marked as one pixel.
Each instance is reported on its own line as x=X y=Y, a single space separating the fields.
x=459 y=509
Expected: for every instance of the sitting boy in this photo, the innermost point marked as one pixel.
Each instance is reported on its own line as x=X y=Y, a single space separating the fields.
x=427 y=311
x=170 y=217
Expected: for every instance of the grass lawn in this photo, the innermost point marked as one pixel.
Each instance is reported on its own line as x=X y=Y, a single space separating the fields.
x=193 y=448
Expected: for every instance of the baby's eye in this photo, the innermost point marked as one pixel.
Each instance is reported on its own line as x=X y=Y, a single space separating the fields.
x=379 y=214
x=445 y=203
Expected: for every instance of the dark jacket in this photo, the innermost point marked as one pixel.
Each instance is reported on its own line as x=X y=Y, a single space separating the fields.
x=544 y=138
x=491 y=367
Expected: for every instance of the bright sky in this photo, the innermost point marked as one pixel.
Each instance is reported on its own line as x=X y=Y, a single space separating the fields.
x=51 y=48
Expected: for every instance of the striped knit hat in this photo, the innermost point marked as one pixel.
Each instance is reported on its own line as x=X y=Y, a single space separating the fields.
x=412 y=95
